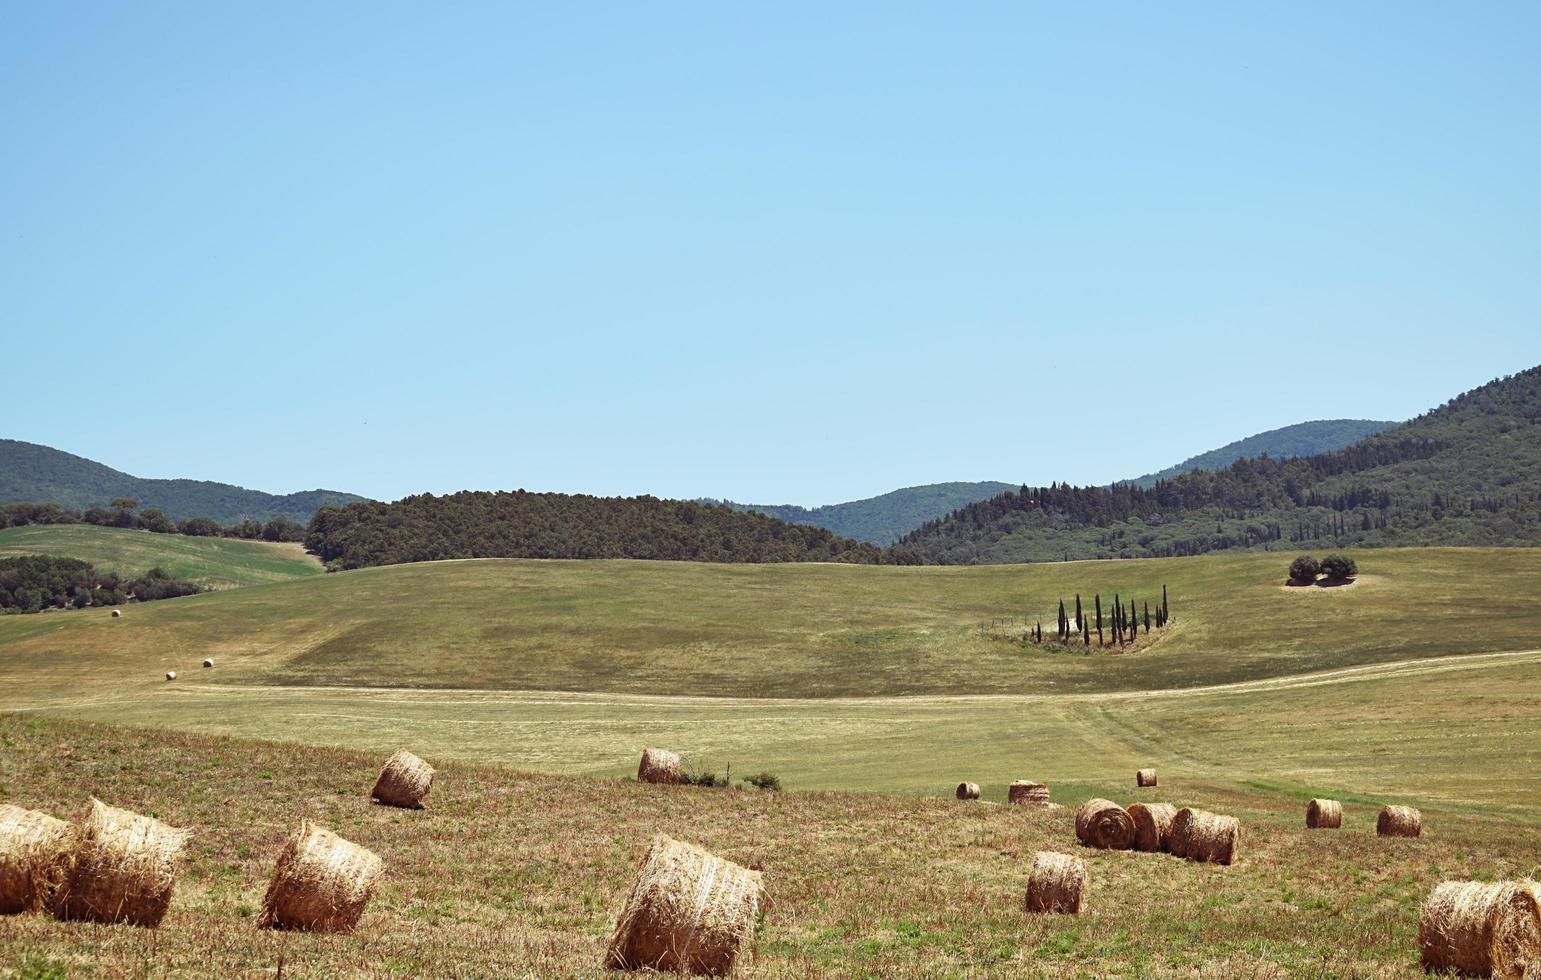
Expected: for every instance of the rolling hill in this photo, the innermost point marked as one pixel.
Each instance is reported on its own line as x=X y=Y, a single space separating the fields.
x=1466 y=473
x=884 y=519
x=36 y=474
x=218 y=563
x=520 y=524
x=1300 y=439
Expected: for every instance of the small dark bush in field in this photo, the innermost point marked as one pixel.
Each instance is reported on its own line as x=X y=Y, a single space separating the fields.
x=1339 y=567
x=702 y=779
x=764 y=780
x=1305 y=569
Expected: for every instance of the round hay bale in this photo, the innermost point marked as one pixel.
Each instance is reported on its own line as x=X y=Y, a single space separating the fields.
x=1144 y=777
x=1481 y=929
x=1028 y=793
x=1152 y=825
x=689 y=912
x=1324 y=814
x=1057 y=883
x=404 y=782
x=968 y=791
x=117 y=613
x=171 y=675
x=659 y=766
x=36 y=854
x=208 y=661
x=1199 y=835
x=1103 y=823
x=126 y=868
x=1399 y=821
x=320 y=884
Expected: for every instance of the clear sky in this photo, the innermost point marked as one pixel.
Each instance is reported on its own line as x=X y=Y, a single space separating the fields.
x=780 y=253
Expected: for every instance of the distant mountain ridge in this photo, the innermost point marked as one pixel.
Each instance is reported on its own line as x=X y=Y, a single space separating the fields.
x=883 y=519
x=1300 y=439
x=37 y=474
x=1465 y=473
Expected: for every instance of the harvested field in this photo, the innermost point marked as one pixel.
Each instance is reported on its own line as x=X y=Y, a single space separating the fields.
x=857 y=884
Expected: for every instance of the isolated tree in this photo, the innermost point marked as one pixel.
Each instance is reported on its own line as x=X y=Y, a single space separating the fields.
x=1305 y=569
x=1339 y=567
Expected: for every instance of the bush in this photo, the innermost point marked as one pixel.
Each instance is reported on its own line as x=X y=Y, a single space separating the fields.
x=764 y=780
x=702 y=779
x=1305 y=569
x=1339 y=567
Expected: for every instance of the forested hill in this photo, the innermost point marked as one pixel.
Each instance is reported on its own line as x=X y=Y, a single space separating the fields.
x=480 y=524
x=39 y=475
x=1466 y=473
x=886 y=518
x=1300 y=439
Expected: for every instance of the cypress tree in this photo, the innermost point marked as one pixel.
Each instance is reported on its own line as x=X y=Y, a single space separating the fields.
x=1147 y=617
x=1100 y=642
x=1166 y=611
x=1078 y=617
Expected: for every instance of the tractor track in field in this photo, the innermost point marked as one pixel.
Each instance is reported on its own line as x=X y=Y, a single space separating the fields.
x=473 y=696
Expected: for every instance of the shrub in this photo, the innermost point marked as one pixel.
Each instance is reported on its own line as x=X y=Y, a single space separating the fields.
x=702 y=779
x=764 y=780
x=1339 y=567
x=1305 y=569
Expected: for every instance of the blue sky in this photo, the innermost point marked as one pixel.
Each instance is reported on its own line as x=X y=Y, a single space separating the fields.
x=794 y=254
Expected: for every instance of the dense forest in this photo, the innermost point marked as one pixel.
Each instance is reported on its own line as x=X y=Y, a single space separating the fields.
x=126 y=513
x=44 y=475
x=519 y=524
x=1300 y=439
x=1466 y=473
x=32 y=583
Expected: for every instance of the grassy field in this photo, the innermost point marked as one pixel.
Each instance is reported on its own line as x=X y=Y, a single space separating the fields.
x=220 y=563
x=839 y=677
x=803 y=631
x=858 y=885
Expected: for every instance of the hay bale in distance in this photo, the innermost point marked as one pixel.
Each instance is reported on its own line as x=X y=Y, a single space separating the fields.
x=320 y=884
x=1056 y=883
x=208 y=661
x=1324 y=814
x=1103 y=823
x=171 y=675
x=1152 y=825
x=1481 y=929
x=659 y=766
x=689 y=911
x=404 y=782
x=1144 y=778
x=1399 y=821
x=1199 y=835
x=1028 y=793
x=117 y=613
x=968 y=791
x=126 y=868
x=36 y=853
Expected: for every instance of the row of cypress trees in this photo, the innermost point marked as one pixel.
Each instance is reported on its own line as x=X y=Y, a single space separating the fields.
x=1123 y=622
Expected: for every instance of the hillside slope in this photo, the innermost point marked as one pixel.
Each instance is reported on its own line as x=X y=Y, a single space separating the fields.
x=886 y=518
x=38 y=474
x=1466 y=473
x=1300 y=439
x=218 y=563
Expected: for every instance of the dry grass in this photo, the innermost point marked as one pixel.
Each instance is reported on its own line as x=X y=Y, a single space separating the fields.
x=857 y=885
